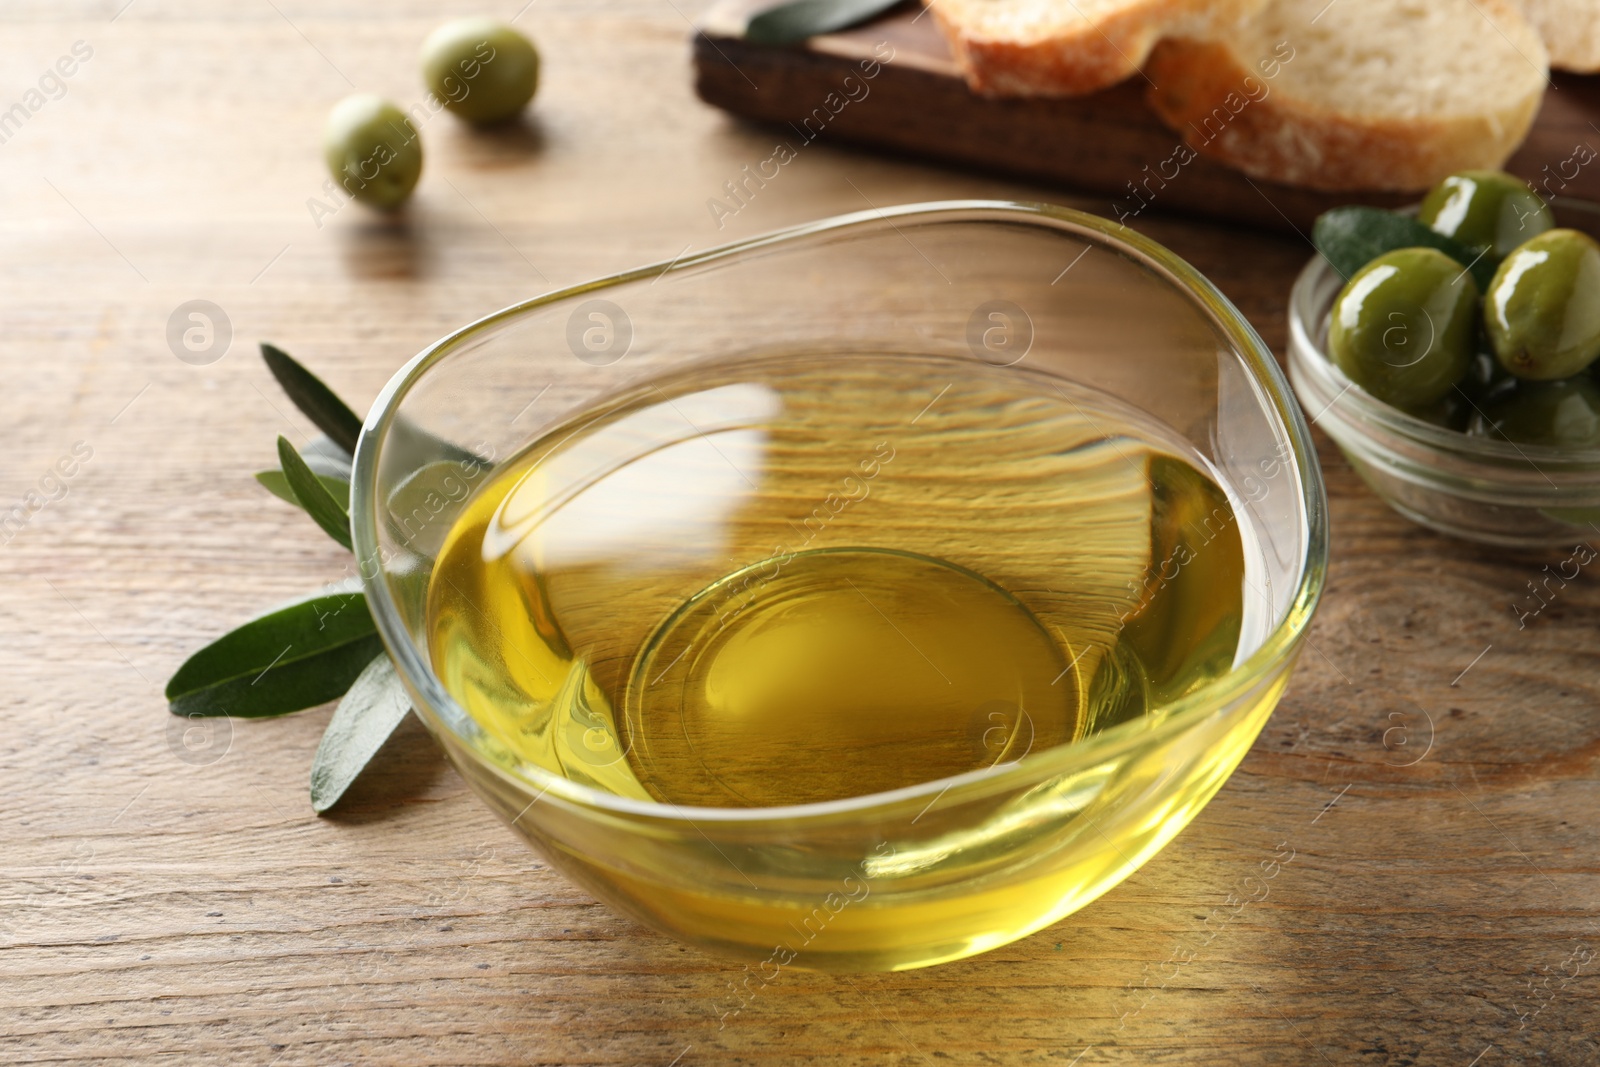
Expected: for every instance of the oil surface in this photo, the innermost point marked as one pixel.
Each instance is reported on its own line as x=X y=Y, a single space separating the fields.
x=802 y=579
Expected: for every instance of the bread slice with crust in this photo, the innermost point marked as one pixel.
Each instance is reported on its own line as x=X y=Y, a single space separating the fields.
x=1571 y=32
x=1069 y=47
x=1356 y=94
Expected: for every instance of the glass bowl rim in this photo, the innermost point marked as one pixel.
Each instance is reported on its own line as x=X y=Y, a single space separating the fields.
x=1276 y=647
x=1311 y=359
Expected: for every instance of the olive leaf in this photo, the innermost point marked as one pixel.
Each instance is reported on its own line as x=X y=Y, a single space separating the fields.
x=791 y=22
x=292 y=658
x=363 y=721
x=424 y=506
x=326 y=458
x=331 y=453
x=319 y=403
x=1351 y=237
x=276 y=483
x=409 y=446
x=323 y=507
x=327 y=461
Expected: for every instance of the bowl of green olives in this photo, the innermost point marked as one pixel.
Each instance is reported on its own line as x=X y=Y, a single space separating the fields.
x=1452 y=352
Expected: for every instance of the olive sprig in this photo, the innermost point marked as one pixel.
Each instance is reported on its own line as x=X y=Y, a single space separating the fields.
x=317 y=648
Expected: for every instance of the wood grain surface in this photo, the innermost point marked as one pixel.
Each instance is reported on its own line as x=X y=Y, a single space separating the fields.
x=1109 y=143
x=1432 y=769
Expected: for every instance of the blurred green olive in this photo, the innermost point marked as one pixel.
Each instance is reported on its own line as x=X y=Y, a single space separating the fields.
x=372 y=150
x=482 y=70
x=1403 y=327
x=1489 y=211
x=1542 y=310
x=1564 y=413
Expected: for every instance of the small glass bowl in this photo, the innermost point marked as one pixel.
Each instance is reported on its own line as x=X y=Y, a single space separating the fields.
x=947 y=868
x=1475 y=488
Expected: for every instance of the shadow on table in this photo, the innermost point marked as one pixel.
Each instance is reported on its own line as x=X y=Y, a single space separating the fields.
x=503 y=143
x=378 y=246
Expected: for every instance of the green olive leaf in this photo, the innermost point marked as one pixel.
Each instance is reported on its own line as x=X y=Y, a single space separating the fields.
x=424 y=506
x=363 y=721
x=792 y=22
x=408 y=446
x=323 y=507
x=319 y=403
x=1351 y=237
x=294 y=657
x=326 y=458
x=276 y=483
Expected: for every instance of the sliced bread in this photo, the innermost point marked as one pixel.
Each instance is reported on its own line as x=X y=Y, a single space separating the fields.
x=1356 y=94
x=1571 y=31
x=1069 y=47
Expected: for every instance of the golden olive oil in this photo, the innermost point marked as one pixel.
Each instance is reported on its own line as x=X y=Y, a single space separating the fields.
x=800 y=579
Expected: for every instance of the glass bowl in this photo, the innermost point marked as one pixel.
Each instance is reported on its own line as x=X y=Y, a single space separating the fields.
x=943 y=869
x=1475 y=488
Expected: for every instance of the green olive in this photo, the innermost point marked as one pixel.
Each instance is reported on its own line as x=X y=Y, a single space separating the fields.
x=1489 y=211
x=482 y=70
x=372 y=150
x=1542 y=310
x=1402 y=328
x=1564 y=413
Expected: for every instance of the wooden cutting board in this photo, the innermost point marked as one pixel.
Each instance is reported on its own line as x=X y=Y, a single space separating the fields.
x=1109 y=143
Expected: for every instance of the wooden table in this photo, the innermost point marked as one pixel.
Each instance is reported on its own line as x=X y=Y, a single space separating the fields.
x=164 y=900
